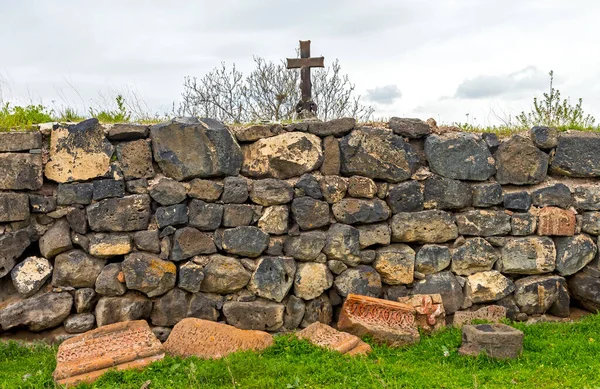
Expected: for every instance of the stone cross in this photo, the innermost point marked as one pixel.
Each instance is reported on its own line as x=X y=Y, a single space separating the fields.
x=305 y=62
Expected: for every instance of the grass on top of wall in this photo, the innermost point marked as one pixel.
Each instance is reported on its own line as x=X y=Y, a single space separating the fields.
x=556 y=355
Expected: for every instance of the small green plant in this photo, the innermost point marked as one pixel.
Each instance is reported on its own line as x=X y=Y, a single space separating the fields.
x=70 y=115
x=119 y=115
x=554 y=112
x=18 y=117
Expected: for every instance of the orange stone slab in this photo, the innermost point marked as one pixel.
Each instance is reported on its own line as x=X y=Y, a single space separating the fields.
x=120 y=346
x=387 y=322
x=211 y=340
x=325 y=336
x=431 y=315
x=556 y=221
x=490 y=313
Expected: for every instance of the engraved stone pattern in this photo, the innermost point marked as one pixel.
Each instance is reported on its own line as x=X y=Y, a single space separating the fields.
x=325 y=336
x=491 y=313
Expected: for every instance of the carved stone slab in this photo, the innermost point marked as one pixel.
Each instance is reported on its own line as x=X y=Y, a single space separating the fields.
x=387 y=322
x=431 y=315
x=556 y=221
x=124 y=345
x=491 y=313
x=496 y=340
x=325 y=336
x=211 y=340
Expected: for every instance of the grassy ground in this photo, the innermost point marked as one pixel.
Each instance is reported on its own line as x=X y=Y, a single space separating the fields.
x=556 y=355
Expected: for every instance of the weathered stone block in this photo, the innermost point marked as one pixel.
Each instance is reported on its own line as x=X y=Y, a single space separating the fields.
x=172 y=215
x=130 y=306
x=523 y=224
x=335 y=127
x=573 y=253
x=273 y=277
x=495 y=340
x=517 y=201
x=536 y=295
x=111 y=281
x=257 y=131
x=487 y=286
x=475 y=255
x=205 y=216
x=362 y=280
x=528 y=255
x=129 y=213
x=432 y=226
x=246 y=241
x=127 y=131
x=13 y=207
x=362 y=187
x=56 y=240
x=490 y=313
x=405 y=197
x=271 y=192
x=224 y=275
x=306 y=246
x=148 y=273
x=29 y=275
x=136 y=159
x=483 y=223
x=446 y=284
x=310 y=213
x=20 y=171
x=410 y=128
x=20 y=141
x=167 y=191
x=487 y=194
x=37 y=313
x=331 y=157
x=543 y=137
x=372 y=234
x=355 y=211
x=556 y=221
x=577 y=154
x=334 y=188
x=77 y=269
x=109 y=245
x=206 y=190
x=327 y=337
x=311 y=280
x=188 y=242
x=395 y=264
x=558 y=195
x=254 y=315
x=519 y=162
x=432 y=258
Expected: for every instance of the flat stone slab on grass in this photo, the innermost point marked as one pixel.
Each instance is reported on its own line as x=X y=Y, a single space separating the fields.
x=496 y=340
x=325 y=336
x=120 y=346
x=210 y=340
x=387 y=322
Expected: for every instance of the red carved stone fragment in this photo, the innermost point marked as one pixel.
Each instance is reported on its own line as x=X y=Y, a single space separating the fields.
x=211 y=340
x=556 y=221
x=325 y=336
x=125 y=345
x=387 y=322
x=431 y=315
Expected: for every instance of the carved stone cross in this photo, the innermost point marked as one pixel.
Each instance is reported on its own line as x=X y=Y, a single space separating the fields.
x=305 y=63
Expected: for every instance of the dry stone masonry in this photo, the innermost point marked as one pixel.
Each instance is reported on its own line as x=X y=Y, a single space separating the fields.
x=274 y=227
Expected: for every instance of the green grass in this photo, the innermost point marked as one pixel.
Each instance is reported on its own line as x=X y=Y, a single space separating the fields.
x=556 y=355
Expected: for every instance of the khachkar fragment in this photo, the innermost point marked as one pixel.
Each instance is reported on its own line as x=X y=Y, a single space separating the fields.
x=495 y=340
x=490 y=313
x=120 y=346
x=325 y=336
x=387 y=322
x=430 y=313
x=211 y=340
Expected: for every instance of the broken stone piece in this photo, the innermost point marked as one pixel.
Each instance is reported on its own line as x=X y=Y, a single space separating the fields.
x=327 y=337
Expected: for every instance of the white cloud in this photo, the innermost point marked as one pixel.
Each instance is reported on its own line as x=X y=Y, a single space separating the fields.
x=527 y=80
x=383 y=94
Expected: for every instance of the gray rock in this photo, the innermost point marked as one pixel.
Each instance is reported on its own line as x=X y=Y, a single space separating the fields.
x=273 y=277
x=558 y=195
x=573 y=253
x=275 y=246
x=246 y=241
x=395 y=264
x=460 y=156
x=274 y=220
x=135 y=159
x=255 y=315
x=523 y=223
x=206 y=190
x=336 y=267
x=271 y=191
x=161 y=333
x=170 y=308
x=335 y=127
x=377 y=153
x=343 y=243
x=106 y=188
x=423 y=227
x=308 y=185
x=405 y=197
x=109 y=245
x=108 y=282
x=190 y=277
x=235 y=190
x=372 y=234
x=224 y=275
x=205 y=216
x=317 y=310
x=129 y=213
x=310 y=213
x=42 y=204
x=306 y=246
x=528 y=255
x=79 y=322
x=331 y=157
x=585 y=289
x=498 y=341
x=13 y=207
x=77 y=269
x=37 y=313
x=236 y=215
x=171 y=215
x=587 y=197
x=543 y=137
x=205 y=306
x=148 y=273
x=294 y=312
x=127 y=131
x=432 y=258
x=188 y=242
x=446 y=284
x=257 y=131
x=311 y=280
x=334 y=188
x=56 y=240
x=483 y=223
x=591 y=223
x=187 y=148
x=537 y=295
x=519 y=162
x=78 y=220
x=410 y=128
x=147 y=241
x=487 y=194
x=577 y=154
x=20 y=171
x=29 y=275
x=362 y=280
x=84 y=300
x=20 y=140
x=445 y=193
x=354 y=211
x=131 y=306
x=12 y=245
x=361 y=187
x=139 y=186
x=475 y=255
x=517 y=201
x=76 y=193
x=168 y=192
x=486 y=287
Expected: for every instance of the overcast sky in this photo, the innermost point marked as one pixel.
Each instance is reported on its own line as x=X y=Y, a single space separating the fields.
x=442 y=59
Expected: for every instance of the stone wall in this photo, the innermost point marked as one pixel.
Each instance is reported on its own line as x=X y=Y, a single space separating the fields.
x=270 y=226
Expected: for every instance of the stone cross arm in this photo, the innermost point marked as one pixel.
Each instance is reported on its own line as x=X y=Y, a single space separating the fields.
x=316 y=62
